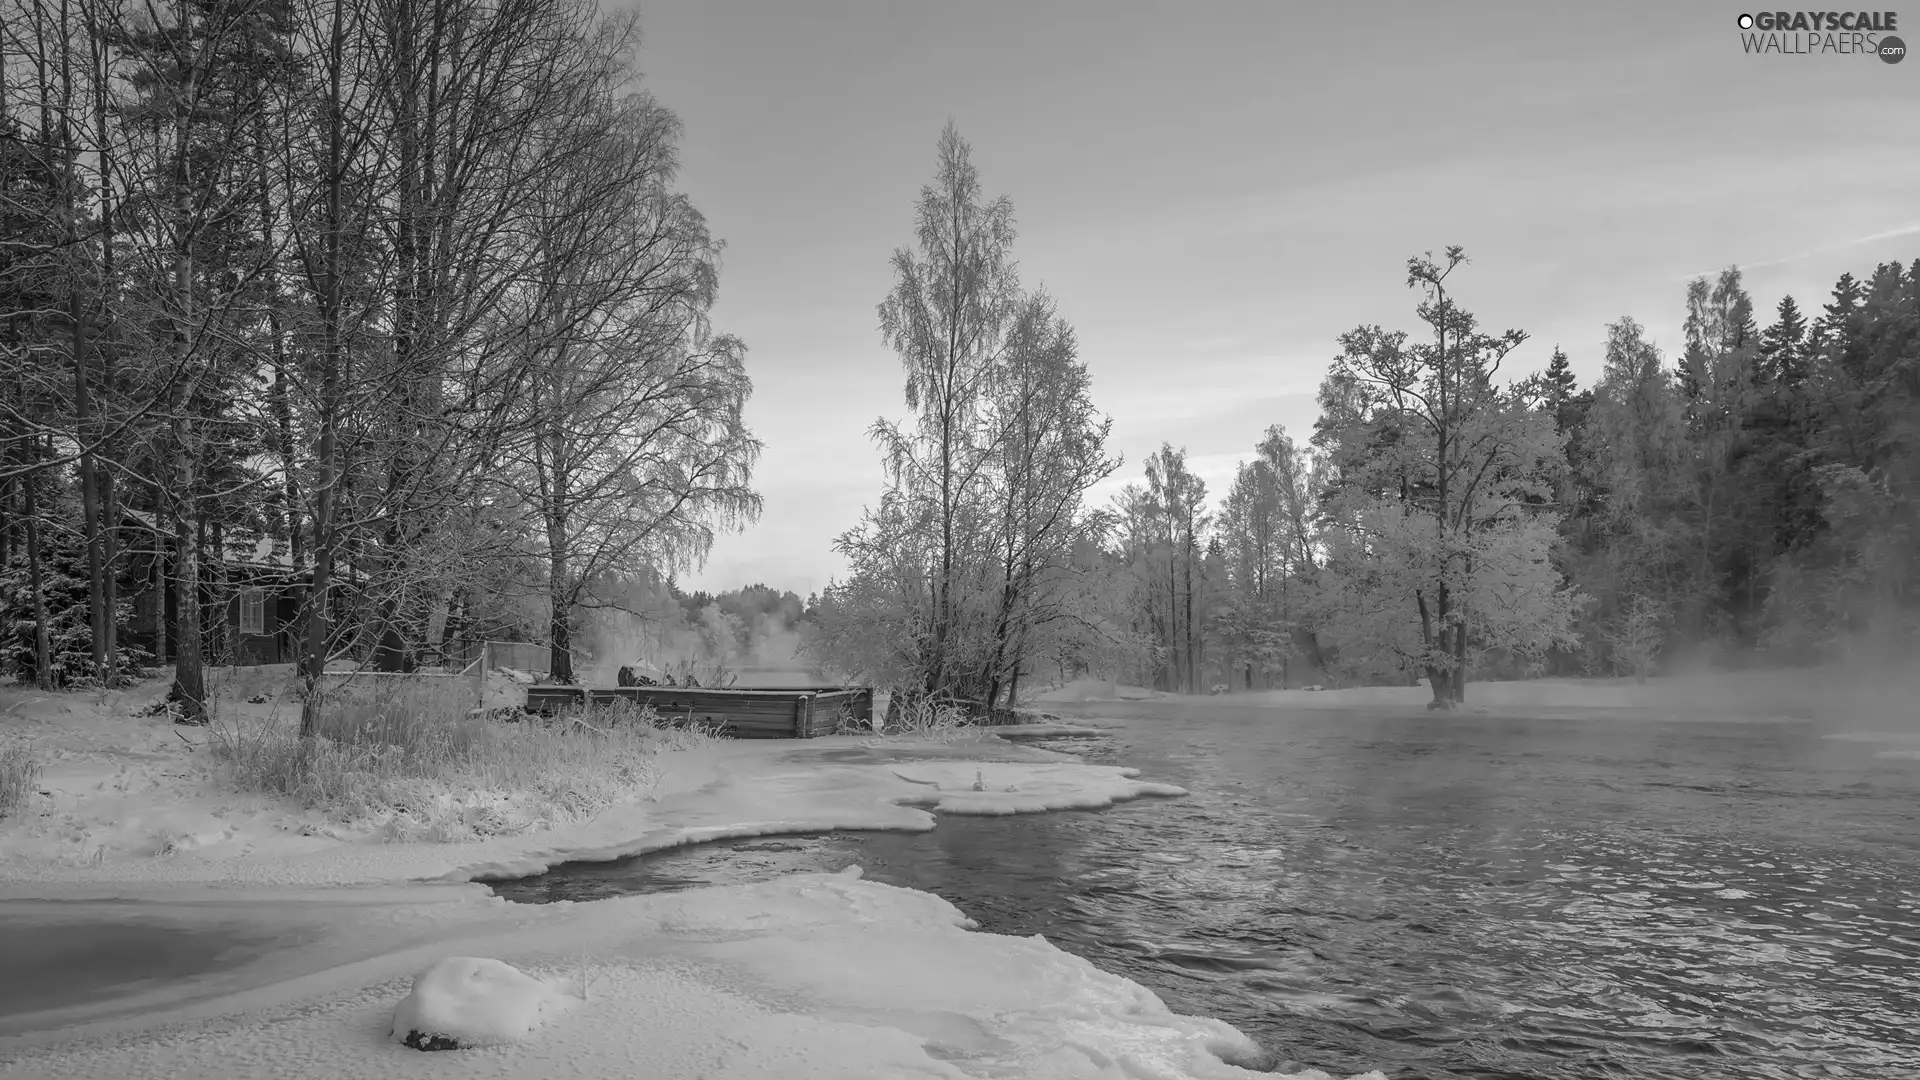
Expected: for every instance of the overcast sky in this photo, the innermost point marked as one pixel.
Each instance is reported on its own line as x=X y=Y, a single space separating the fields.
x=1214 y=192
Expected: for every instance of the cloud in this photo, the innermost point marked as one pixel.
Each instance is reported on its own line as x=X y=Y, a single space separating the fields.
x=1827 y=249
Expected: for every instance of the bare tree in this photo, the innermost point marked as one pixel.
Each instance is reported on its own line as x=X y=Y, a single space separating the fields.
x=636 y=447
x=968 y=561
x=1050 y=449
x=1179 y=495
x=947 y=318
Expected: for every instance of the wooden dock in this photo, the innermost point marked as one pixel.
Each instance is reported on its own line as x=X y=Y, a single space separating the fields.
x=802 y=712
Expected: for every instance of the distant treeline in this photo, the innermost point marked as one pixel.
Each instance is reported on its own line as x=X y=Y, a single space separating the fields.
x=1752 y=499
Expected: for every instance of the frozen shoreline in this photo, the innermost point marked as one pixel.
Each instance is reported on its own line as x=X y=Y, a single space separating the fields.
x=805 y=975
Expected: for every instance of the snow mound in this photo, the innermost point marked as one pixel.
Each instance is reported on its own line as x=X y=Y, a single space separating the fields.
x=474 y=1001
x=964 y=787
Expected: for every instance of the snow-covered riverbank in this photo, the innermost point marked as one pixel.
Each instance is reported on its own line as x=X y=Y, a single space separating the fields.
x=806 y=975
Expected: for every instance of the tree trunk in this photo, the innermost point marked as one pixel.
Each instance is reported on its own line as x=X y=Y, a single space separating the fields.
x=390 y=652
x=560 y=654
x=13 y=339
x=1175 y=681
x=454 y=628
x=1286 y=634
x=160 y=593
x=89 y=492
x=189 y=682
x=437 y=618
x=1001 y=638
x=110 y=505
x=560 y=603
x=110 y=577
x=189 y=676
x=1460 y=661
x=1438 y=677
x=36 y=577
x=279 y=390
x=213 y=580
x=314 y=663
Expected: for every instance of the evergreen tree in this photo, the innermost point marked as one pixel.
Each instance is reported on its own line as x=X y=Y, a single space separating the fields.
x=1783 y=347
x=1562 y=391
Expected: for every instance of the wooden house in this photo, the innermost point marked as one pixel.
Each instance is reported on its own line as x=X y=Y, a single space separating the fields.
x=251 y=594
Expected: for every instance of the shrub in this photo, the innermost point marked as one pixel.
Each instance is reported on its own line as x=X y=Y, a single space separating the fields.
x=19 y=775
x=927 y=718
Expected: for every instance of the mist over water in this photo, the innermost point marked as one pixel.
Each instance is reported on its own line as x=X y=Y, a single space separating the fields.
x=1605 y=894
x=759 y=651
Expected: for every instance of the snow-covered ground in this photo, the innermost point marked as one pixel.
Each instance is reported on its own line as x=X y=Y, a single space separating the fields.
x=805 y=975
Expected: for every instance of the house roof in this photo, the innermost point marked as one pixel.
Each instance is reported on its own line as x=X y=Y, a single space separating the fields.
x=239 y=548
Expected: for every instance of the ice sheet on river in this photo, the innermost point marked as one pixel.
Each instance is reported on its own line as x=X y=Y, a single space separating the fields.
x=803 y=976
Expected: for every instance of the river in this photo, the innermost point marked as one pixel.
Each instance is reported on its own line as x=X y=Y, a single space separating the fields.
x=1632 y=897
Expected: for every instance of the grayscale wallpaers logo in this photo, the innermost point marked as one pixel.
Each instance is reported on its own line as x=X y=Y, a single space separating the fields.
x=1827 y=33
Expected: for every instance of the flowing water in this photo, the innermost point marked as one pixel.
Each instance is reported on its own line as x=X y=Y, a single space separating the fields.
x=1583 y=896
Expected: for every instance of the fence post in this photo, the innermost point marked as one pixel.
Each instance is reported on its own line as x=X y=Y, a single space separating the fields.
x=480 y=692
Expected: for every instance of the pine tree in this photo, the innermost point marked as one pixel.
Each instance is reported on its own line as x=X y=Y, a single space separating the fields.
x=1846 y=298
x=1561 y=389
x=1783 y=346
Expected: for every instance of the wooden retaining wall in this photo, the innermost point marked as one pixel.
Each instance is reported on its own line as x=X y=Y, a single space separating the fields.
x=760 y=713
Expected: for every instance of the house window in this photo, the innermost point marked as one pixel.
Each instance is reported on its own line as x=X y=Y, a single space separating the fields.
x=253 y=611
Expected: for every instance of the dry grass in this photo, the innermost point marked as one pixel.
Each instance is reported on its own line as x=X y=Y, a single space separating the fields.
x=19 y=775
x=933 y=720
x=408 y=757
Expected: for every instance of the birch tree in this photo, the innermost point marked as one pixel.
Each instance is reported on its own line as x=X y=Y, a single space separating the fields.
x=973 y=541
x=947 y=319
x=1049 y=450
x=637 y=448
